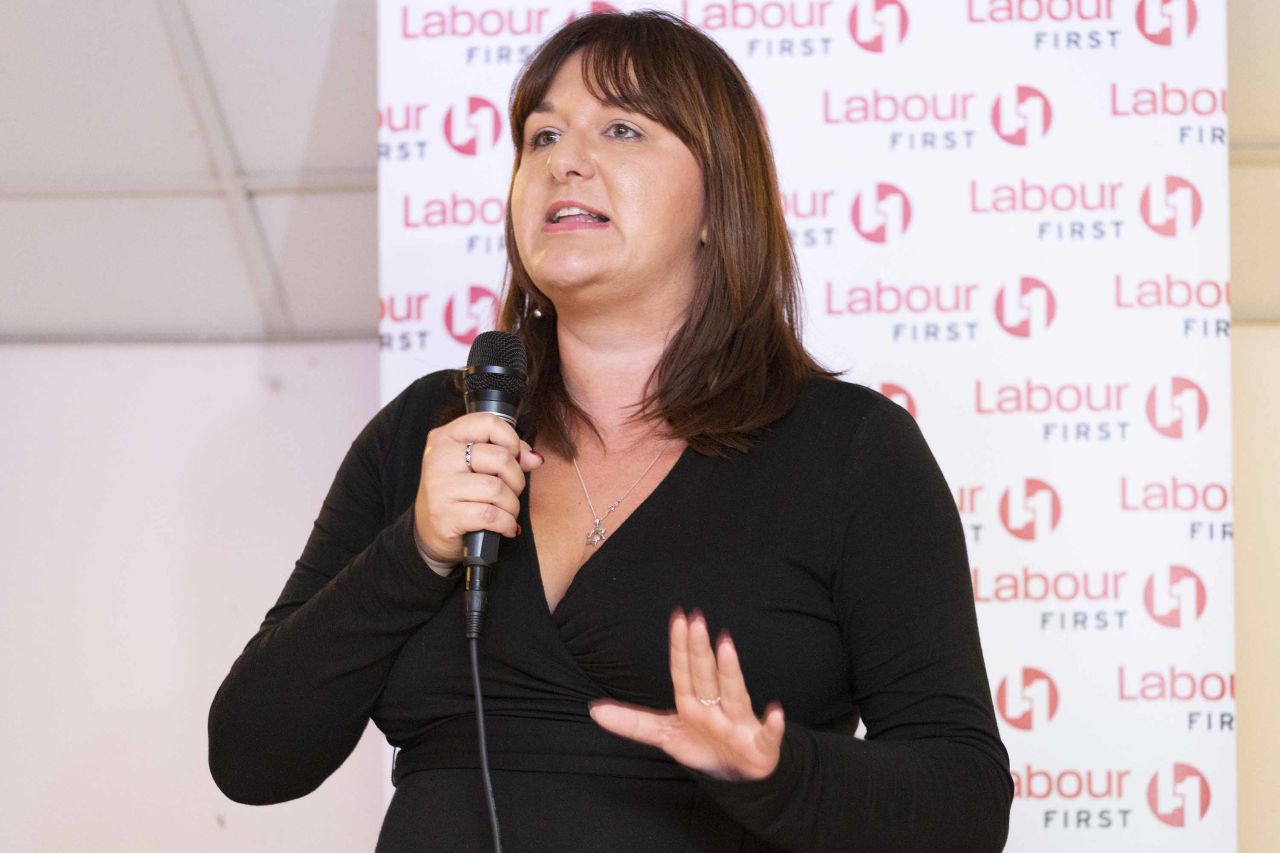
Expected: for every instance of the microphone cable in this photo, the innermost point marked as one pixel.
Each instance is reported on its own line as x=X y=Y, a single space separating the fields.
x=473 y=643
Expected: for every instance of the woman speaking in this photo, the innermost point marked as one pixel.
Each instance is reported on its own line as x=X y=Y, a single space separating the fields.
x=719 y=557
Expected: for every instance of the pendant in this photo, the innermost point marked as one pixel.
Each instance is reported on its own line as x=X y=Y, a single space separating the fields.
x=596 y=536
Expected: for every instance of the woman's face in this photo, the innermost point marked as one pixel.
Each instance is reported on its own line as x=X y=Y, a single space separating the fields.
x=621 y=165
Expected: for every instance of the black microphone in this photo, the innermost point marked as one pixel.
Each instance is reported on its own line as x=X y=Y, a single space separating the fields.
x=493 y=382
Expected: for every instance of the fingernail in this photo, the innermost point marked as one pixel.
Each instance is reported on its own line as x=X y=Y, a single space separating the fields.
x=518 y=529
x=591 y=709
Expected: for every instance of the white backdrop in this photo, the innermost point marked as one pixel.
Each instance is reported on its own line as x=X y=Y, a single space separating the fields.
x=1011 y=217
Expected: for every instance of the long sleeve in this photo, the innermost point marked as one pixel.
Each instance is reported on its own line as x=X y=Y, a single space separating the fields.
x=932 y=773
x=297 y=699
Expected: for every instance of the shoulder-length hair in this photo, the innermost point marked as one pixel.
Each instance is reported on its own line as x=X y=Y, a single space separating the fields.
x=736 y=363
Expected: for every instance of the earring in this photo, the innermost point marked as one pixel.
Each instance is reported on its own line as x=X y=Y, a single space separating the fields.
x=536 y=312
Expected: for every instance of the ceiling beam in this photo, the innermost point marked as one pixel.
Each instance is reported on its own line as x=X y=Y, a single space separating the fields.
x=94 y=339
x=141 y=186
x=264 y=277
x=1255 y=154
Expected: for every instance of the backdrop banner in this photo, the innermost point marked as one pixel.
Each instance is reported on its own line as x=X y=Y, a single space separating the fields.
x=1011 y=218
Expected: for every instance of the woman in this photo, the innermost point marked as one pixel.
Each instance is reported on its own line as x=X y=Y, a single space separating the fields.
x=686 y=452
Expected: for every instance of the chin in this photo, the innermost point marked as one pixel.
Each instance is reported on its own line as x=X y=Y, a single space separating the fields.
x=568 y=276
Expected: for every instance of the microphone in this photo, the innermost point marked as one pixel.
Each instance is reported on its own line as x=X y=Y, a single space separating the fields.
x=492 y=382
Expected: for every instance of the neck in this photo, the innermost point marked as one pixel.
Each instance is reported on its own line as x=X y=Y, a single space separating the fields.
x=606 y=362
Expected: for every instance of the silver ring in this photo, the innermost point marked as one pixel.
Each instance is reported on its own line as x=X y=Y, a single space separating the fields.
x=709 y=702
x=469 y=468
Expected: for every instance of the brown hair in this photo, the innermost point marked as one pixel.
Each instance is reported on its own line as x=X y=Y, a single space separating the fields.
x=736 y=364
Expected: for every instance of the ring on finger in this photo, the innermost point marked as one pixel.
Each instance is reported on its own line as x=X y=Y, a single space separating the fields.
x=709 y=702
x=470 y=444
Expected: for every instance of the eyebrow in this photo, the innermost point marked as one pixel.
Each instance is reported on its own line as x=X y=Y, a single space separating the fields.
x=546 y=107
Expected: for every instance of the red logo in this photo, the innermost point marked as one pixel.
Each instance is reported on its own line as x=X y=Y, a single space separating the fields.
x=1175 y=597
x=1034 y=699
x=1035 y=302
x=593 y=8
x=1182 y=410
x=1179 y=797
x=876 y=23
x=1178 y=193
x=899 y=395
x=890 y=215
x=1159 y=19
x=1040 y=507
x=1030 y=111
x=482 y=121
x=479 y=314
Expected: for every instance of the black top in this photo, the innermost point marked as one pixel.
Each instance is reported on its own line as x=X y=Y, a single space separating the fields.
x=833 y=553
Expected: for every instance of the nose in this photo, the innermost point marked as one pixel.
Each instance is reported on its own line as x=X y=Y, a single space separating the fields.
x=570 y=157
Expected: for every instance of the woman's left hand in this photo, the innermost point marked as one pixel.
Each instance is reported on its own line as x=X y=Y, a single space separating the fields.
x=723 y=739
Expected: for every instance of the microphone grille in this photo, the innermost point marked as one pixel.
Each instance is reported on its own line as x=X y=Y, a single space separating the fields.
x=496 y=349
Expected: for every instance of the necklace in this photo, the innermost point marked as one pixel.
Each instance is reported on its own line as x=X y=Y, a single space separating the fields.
x=596 y=536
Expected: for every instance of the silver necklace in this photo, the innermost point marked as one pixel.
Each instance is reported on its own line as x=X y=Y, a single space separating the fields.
x=596 y=536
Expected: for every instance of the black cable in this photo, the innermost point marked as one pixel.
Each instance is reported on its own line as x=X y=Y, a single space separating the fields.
x=484 y=748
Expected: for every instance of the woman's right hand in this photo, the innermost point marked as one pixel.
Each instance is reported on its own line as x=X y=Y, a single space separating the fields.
x=453 y=500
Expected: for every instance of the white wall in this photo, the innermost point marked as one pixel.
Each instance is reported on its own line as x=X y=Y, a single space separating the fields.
x=153 y=501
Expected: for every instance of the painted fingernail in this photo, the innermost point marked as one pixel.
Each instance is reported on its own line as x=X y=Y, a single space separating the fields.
x=518 y=529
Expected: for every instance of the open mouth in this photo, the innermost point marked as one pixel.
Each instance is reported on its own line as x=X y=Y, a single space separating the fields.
x=578 y=217
x=566 y=213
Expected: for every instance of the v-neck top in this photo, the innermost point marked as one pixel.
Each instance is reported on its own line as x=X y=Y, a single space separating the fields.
x=831 y=550
x=606 y=524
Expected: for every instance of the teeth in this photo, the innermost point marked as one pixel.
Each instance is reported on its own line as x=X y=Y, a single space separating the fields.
x=572 y=211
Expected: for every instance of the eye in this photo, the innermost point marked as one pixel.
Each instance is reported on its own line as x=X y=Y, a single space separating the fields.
x=535 y=140
x=617 y=130
x=631 y=132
